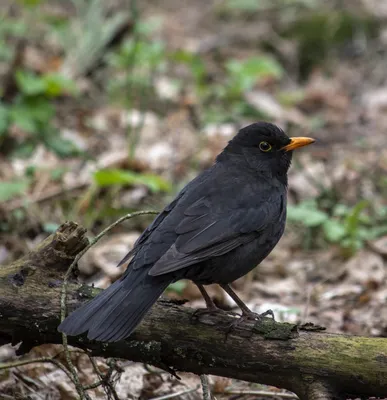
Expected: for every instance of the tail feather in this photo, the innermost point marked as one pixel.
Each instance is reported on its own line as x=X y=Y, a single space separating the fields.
x=124 y=320
x=115 y=312
x=81 y=319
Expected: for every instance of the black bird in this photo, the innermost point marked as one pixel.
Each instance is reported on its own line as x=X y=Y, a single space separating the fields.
x=217 y=229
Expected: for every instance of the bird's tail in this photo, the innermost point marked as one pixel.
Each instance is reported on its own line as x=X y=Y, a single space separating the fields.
x=115 y=312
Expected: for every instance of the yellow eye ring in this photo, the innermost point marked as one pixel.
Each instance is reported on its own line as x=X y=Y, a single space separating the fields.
x=265 y=147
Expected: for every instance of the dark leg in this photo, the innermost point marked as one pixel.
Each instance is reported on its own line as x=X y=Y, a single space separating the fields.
x=210 y=305
x=246 y=312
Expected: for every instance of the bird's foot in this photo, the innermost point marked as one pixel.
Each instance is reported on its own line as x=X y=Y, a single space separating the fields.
x=205 y=311
x=267 y=313
x=250 y=316
x=212 y=310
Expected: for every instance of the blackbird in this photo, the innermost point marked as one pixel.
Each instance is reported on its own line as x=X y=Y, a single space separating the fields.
x=218 y=228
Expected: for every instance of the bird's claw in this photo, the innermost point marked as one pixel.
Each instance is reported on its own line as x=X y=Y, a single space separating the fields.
x=211 y=310
x=204 y=311
x=250 y=316
x=266 y=314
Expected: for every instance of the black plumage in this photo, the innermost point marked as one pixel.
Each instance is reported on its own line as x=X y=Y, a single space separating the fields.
x=218 y=228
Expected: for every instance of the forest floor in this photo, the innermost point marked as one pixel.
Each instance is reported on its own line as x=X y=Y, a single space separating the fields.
x=105 y=113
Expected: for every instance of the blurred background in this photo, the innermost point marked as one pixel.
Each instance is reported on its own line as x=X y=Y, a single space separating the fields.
x=109 y=107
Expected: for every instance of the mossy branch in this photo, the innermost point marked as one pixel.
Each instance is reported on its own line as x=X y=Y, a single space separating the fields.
x=311 y=364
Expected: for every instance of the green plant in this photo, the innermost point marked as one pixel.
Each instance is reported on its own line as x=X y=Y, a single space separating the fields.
x=223 y=100
x=350 y=227
x=135 y=65
x=14 y=188
x=136 y=62
x=91 y=30
x=119 y=177
x=31 y=111
x=10 y=27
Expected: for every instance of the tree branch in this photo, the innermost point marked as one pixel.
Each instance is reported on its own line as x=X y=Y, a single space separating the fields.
x=314 y=365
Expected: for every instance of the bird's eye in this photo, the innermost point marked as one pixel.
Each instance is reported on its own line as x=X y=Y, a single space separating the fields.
x=264 y=146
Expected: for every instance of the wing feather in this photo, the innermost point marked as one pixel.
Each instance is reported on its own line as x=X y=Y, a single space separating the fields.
x=217 y=235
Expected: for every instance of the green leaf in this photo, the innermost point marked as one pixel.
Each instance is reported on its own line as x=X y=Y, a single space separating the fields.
x=352 y=244
x=13 y=27
x=9 y=190
x=30 y=84
x=253 y=69
x=309 y=217
x=30 y=3
x=57 y=84
x=149 y=55
x=24 y=150
x=62 y=147
x=334 y=230
x=109 y=177
x=353 y=218
x=51 y=84
x=177 y=287
x=263 y=67
x=32 y=114
x=22 y=118
x=193 y=61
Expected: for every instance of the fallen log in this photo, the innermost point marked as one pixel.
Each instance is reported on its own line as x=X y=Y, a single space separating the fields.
x=310 y=363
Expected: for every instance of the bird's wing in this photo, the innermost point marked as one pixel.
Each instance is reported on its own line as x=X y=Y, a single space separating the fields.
x=145 y=235
x=209 y=229
x=153 y=242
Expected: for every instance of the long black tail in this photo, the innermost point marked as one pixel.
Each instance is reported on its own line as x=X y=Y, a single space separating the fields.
x=115 y=312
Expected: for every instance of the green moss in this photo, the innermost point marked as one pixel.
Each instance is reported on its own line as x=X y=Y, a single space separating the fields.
x=362 y=356
x=275 y=330
x=88 y=292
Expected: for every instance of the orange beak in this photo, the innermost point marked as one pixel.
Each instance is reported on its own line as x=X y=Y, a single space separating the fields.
x=297 y=142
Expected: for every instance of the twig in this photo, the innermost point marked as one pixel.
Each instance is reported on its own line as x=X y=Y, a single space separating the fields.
x=91 y=244
x=63 y=299
x=97 y=371
x=75 y=378
x=172 y=395
x=105 y=379
x=94 y=385
x=47 y=195
x=205 y=387
x=37 y=360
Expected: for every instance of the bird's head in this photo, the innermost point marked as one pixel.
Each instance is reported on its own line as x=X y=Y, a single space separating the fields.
x=265 y=147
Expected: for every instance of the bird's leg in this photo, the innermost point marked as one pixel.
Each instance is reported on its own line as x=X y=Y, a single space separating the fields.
x=246 y=312
x=211 y=308
x=209 y=303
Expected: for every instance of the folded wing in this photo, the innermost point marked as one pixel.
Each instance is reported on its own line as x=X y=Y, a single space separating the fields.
x=205 y=232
